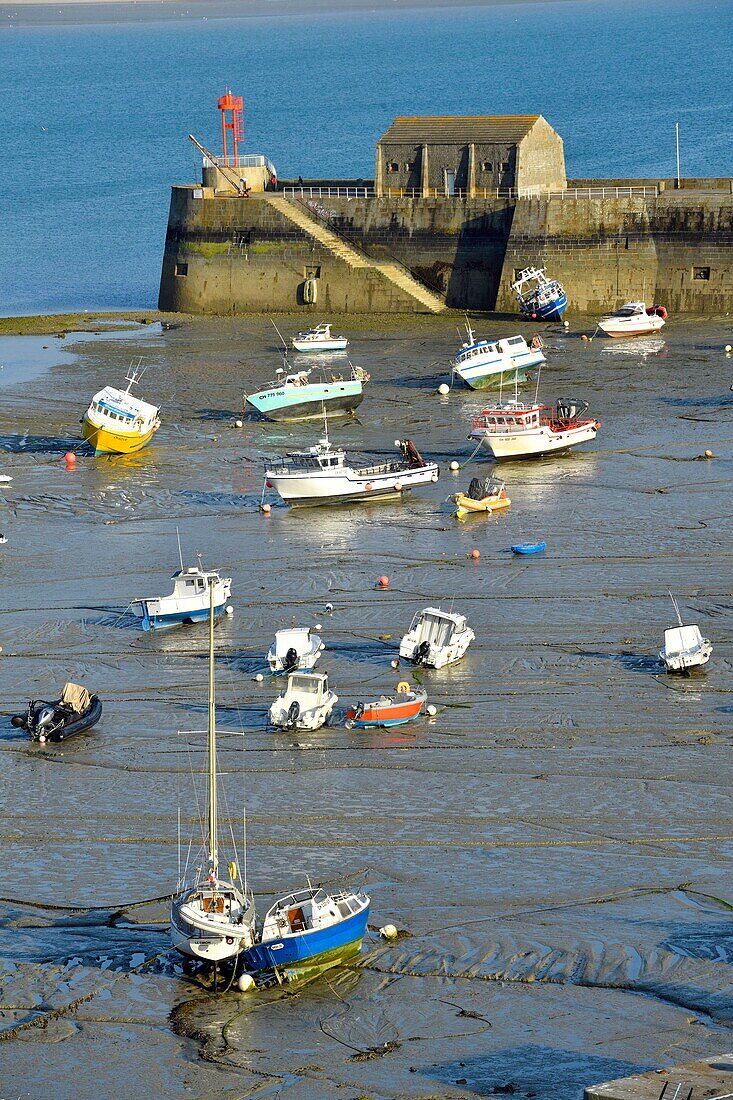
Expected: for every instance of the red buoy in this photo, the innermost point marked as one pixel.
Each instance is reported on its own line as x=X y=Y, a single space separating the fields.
x=70 y=460
x=475 y=554
x=383 y=581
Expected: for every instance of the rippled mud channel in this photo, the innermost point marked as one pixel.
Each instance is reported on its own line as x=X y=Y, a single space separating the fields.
x=554 y=845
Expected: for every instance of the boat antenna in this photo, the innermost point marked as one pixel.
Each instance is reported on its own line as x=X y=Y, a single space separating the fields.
x=134 y=373
x=469 y=330
x=282 y=338
x=213 y=853
x=537 y=385
x=180 y=555
x=325 y=421
x=674 y=604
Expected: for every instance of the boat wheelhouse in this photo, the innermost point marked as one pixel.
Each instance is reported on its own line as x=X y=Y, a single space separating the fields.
x=484 y=363
x=189 y=600
x=299 y=396
x=117 y=422
x=436 y=638
x=539 y=298
x=323 y=475
x=319 y=339
x=517 y=429
x=634 y=319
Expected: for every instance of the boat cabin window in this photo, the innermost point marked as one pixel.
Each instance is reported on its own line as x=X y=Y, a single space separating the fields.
x=628 y=311
x=344 y=909
x=515 y=340
x=304 y=683
x=190 y=584
x=200 y=585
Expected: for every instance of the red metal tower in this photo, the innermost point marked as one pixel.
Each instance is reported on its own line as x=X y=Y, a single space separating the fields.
x=234 y=104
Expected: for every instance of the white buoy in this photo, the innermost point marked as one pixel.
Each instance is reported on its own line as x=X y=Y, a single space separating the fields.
x=238 y=423
x=388 y=932
x=329 y=608
x=729 y=348
x=455 y=466
x=229 y=609
x=432 y=710
x=259 y=677
x=395 y=663
x=443 y=389
x=319 y=626
x=245 y=982
x=566 y=324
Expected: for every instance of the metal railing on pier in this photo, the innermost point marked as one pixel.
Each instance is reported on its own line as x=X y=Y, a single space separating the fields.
x=567 y=194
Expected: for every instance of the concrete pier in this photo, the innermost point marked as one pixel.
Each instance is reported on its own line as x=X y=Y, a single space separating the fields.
x=709 y=1079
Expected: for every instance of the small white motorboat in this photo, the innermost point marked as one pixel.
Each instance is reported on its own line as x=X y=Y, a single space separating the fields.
x=5 y=478
x=634 y=319
x=324 y=475
x=483 y=363
x=189 y=600
x=684 y=646
x=294 y=650
x=319 y=339
x=306 y=703
x=436 y=638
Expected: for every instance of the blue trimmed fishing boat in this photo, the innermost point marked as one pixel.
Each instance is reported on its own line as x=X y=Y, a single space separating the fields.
x=539 y=298
x=485 y=363
x=189 y=600
x=529 y=548
x=308 y=930
x=297 y=396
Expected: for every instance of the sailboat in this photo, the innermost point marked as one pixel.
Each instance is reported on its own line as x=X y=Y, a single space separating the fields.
x=212 y=919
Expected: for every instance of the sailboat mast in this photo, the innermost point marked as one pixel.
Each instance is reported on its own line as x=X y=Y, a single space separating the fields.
x=213 y=853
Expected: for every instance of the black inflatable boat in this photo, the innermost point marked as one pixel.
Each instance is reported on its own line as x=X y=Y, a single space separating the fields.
x=74 y=712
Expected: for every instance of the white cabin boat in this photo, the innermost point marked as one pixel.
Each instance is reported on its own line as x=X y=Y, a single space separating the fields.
x=319 y=339
x=436 y=638
x=484 y=363
x=294 y=650
x=684 y=646
x=306 y=703
x=634 y=319
x=323 y=475
x=516 y=429
x=189 y=600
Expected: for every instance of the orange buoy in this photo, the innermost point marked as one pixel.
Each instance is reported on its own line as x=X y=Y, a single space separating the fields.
x=266 y=509
x=70 y=460
x=475 y=554
x=383 y=581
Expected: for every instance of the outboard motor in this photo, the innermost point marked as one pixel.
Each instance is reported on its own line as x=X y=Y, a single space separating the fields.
x=293 y=713
x=422 y=652
x=358 y=710
x=45 y=718
x=291 y=659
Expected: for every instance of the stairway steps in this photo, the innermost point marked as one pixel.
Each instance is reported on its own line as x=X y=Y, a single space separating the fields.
x=336 y=245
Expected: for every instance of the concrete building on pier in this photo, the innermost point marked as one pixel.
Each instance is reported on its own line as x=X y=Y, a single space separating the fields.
x=474 y=156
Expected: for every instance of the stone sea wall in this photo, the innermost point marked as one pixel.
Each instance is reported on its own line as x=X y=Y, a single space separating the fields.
x=226 y=254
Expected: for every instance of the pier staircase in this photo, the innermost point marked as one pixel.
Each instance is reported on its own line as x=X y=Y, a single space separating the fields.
x=394 y=272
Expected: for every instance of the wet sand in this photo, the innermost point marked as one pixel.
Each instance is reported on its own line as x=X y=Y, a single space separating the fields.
x=557 y=842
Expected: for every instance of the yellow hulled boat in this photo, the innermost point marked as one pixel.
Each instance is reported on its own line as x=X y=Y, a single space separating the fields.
x=117 y=422
x=484 y=495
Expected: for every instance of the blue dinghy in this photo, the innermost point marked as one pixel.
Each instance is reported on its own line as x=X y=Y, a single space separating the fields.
x=309 y=930
x=529 y=548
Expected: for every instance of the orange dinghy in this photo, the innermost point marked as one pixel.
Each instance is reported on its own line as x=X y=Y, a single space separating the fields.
x=388 y=711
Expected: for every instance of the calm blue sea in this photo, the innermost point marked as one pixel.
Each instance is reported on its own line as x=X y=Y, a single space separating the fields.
x=95 y=118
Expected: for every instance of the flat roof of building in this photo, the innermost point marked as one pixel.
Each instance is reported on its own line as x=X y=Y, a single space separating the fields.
x=458 y=129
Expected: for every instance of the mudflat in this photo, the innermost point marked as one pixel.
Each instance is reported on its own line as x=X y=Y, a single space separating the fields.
x=555 y=845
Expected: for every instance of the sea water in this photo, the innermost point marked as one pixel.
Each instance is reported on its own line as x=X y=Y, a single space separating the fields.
x=96 y=118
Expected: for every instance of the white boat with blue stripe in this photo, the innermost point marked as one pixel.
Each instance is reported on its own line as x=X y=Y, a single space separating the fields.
x=189 y=600
x=485 y=363
x=303 y=395
x=307 y=931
